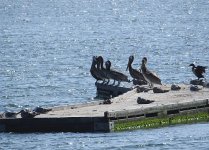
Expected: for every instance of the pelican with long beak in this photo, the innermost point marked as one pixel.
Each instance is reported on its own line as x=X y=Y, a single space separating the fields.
x=103 y=71
x=115 y=75
x=94 y=71
x=150 y=77
x=135 y=74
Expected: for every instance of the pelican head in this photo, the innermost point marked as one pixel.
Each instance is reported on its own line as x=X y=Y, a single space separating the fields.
x=108 y=64
x=94 y=59
x=144 y=60
x=130 y=61
x=100 y=61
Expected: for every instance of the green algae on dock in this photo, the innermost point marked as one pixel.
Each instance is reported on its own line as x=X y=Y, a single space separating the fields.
x=160 y=122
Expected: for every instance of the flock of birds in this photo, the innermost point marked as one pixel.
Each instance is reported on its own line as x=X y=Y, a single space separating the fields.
x=105 y=74
x=144 y=75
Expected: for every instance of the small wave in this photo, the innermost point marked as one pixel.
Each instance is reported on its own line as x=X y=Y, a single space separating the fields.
x=48 y=86
x=13 y=105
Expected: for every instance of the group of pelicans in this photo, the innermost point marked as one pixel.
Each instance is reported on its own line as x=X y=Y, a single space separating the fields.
x=144 y=75
x=105 y=74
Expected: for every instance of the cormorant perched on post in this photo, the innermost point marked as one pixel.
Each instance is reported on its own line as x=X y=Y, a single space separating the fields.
x=135 y=74
x=198 y=71
x=150 y=77
x=115 y=75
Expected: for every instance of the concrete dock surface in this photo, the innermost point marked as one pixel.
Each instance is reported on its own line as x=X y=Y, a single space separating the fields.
x=128 y=101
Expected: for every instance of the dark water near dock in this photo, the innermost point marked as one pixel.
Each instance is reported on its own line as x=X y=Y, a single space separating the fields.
x=46 y=48
x=179 y=137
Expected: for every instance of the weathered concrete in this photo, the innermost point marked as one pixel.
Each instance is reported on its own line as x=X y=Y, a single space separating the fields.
x=99 y=117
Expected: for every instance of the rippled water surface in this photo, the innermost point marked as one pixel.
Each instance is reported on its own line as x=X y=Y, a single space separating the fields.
x=46 y=48
x=179 y=137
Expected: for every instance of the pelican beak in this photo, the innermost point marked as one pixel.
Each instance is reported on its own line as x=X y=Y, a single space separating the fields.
x=19 y=112
x=127 y=67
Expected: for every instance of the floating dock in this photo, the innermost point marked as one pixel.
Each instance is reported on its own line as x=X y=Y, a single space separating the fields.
x=123 y=113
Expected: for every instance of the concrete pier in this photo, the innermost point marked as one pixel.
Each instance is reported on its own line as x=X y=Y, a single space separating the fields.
x=124 y=113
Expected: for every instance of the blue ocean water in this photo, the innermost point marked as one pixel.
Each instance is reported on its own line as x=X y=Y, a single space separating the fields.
x=46 y=48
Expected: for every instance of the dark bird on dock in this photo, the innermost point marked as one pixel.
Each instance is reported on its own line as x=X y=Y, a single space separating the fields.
x=135 y=74
x=41 y=110
x=107 y=101
x=141 y=100
x=150 y=77
x=94 y=71
x=103 y=71
x=28 y=114
x=194 y=88
x=9 y=114
x=175 y=87
x=198 y=71
x=159 y=90
x=115 y=75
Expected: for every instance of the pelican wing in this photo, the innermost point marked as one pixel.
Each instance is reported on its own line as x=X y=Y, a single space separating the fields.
x=136 y=74
x=95 y=74
x=153 y=77
x=118 y=75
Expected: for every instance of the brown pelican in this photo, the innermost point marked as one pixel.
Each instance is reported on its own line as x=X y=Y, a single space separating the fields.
x=115 y=75
x=135 y=74
x=94 y=71
x=198 y=70
x=150 y=77
x=103 y=71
